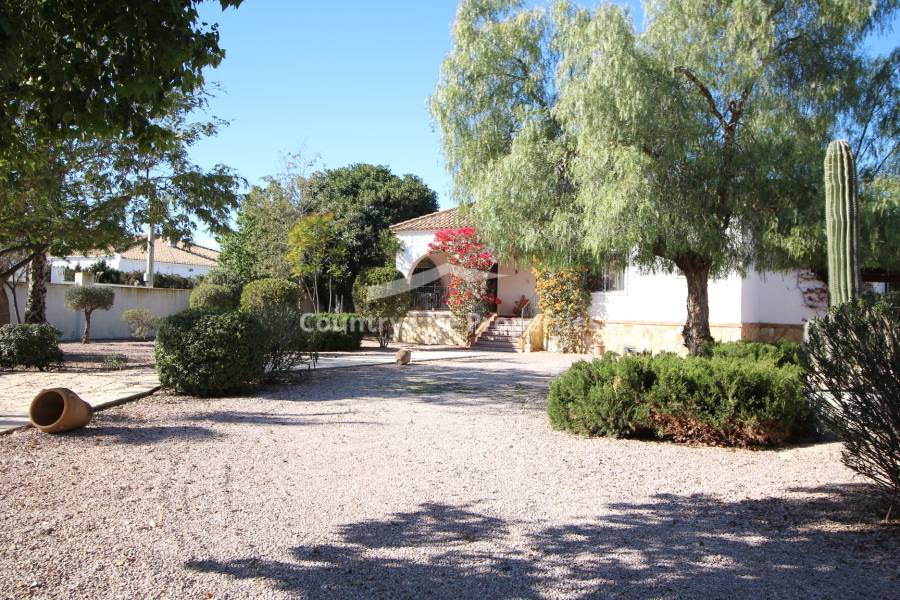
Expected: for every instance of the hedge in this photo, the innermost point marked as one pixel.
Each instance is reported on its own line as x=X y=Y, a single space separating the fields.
x=337 y=331
x=210 y=354
x=720 y=400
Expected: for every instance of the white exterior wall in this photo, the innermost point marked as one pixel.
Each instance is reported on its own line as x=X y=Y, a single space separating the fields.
x=105 y=324
x=662 y=298
x=127 y=265
x=415 y=246
x=654 y=297
x=774 y=298
x=515 y=281
x=166 y=268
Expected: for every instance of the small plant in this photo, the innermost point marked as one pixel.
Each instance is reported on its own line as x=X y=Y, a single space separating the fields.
x=379 y=304
x=88 y=298
x=854 y=376
x=29 y=345
x=209 y=354
x=269 y=292
x=115 y=361
x=212 y=297
x=288 y=343
x=141 y=321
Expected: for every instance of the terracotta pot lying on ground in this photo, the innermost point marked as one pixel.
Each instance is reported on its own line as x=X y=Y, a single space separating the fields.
x=59 y=409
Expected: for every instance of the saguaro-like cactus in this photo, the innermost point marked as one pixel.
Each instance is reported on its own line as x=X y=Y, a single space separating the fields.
x=842 y=222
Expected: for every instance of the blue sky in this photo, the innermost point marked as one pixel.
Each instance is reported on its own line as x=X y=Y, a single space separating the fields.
x=348 y=81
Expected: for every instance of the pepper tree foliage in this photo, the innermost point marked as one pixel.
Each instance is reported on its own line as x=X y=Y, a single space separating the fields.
x=468 y=297
x=87 y=90
x=681 y=146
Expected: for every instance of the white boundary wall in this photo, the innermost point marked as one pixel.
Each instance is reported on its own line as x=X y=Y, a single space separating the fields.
x=105 y=324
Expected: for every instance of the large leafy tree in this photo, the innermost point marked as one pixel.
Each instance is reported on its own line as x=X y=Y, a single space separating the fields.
x=96 y=68
x=365 y=200
x=682 y=146
x=100 y=192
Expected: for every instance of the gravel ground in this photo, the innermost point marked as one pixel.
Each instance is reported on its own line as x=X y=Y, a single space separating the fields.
x=437 y=480
x=89 y=357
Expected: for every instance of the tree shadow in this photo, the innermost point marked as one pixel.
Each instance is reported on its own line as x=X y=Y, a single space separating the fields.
x=278 y=419
x=475 y=382
x=136 y=434
x=814 y=543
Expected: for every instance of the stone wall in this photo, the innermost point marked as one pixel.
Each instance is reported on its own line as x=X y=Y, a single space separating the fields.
x=429 y=327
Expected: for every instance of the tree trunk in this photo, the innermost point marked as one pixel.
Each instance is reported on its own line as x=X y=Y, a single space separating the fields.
x=86 y=336
x=36 y=306
x=696 y=329
x=150 y=270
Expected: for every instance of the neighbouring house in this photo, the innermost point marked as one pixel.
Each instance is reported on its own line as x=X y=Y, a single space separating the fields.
x=187 y=260
x=631 y=310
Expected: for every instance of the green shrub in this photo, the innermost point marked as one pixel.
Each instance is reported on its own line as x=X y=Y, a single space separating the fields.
x=779 y=353
x=337 y=331
x=173 y=281
x=212 y=297
x=288 y=344
x=735 y=402
x=209 y=354
x=141 y=321
x=384 y=310
x=29 y=345
x=603 y=397
x=88 y=298
x=727 y=401
x=854 y=372
x=269 y=292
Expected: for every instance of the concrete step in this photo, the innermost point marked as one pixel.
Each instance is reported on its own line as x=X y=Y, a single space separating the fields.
x=498 y=337
x=496 y=344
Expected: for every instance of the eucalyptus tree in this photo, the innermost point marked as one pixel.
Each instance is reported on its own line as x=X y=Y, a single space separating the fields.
x=680 y=146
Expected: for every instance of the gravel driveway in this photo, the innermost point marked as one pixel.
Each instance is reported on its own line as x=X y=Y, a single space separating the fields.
x=437 y=480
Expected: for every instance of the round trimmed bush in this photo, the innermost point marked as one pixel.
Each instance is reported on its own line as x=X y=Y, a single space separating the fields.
x=142 y=322
x=29 y=345
x=212 y=297
x=209 y=354
x=269 y=293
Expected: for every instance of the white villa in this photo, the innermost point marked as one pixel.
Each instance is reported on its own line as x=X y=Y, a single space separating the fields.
x=169 y=259
x=631 y=310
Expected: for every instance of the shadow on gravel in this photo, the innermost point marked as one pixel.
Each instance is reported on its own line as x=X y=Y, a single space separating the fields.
x=455 y=383
x=263 y=418
x=138 y=435
x=675 y=546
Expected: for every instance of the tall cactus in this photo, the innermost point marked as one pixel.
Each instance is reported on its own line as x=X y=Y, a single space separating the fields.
x=842 y=222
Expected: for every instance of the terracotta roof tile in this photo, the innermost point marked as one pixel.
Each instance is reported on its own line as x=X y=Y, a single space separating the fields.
x=442 y=219
x=180 y=253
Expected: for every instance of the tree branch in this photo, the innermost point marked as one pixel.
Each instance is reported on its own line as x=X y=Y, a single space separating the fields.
x=704 y=91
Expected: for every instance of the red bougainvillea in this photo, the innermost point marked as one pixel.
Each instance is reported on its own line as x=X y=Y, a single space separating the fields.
x=468 y=298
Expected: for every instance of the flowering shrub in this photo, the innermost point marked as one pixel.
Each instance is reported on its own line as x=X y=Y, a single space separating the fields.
x=565 y=302
x=468 y=298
